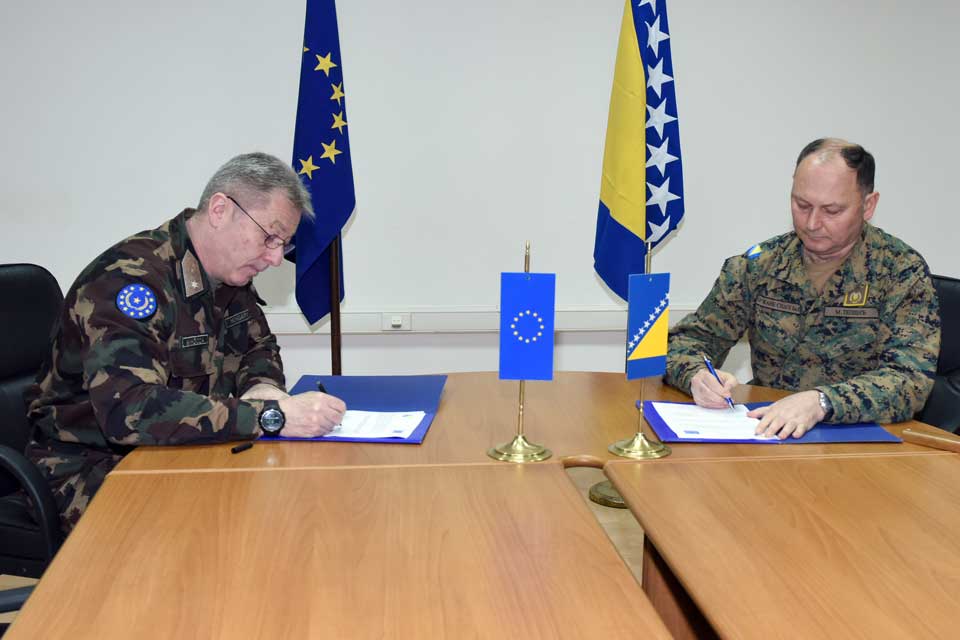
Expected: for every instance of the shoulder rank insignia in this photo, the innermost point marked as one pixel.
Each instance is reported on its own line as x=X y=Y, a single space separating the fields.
x=137 y=301
x=753 y=252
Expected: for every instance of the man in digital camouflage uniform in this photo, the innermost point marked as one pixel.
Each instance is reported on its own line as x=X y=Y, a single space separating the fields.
x=161 y=340
x=837 y=310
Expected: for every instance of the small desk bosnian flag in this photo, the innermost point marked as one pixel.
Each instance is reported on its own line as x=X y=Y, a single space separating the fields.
x=526 y=325
x=647 y=324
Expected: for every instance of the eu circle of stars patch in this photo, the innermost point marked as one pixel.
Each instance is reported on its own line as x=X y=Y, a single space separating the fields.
x=137 y=301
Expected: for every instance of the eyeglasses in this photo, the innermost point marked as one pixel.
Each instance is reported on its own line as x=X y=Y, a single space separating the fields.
x=272 y=240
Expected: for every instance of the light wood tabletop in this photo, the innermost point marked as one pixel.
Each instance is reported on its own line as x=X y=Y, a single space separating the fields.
x=576 y=415
x=494 y=551
x=836 y=547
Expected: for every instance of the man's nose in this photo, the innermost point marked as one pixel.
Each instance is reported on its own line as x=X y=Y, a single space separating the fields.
x=275 y=256
x=814 y=220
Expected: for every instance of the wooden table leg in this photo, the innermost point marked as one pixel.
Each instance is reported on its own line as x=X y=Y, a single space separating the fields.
x=670 y=600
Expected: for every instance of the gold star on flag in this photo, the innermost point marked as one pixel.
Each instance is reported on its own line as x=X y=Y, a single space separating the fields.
x=324 y=63
x=307 y=167
x=338 y=122
x=330 y=151
x=306 y=48
x=337 y=92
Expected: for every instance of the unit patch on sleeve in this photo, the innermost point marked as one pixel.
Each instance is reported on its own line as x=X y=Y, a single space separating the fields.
x=137 y=301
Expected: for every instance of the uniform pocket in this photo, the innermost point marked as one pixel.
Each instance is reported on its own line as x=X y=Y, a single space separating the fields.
x=237 y=338
x=191 y=363
x=846 y=340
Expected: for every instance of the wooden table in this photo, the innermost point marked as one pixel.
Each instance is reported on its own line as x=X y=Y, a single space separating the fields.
x=497 y=551
x=577 y=415
x=835 y=547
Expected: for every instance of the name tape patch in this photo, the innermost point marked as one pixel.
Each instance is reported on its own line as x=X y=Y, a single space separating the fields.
x=189 y=342
x=237 y=318
x=778 y=305
x=867 y=313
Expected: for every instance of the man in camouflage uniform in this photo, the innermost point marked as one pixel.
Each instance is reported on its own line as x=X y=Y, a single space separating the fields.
x=837 y=310
x=161 y=340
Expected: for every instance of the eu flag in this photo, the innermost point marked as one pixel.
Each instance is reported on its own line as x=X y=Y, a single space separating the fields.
x=641 y=190
x=647 y=324
x=321 y=155
x=526 y=325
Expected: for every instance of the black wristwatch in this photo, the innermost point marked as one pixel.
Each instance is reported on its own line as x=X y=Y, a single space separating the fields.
x=272 y=418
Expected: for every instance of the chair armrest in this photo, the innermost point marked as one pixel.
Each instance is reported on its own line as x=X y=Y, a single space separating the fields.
x=38 y=491
x=13 y=599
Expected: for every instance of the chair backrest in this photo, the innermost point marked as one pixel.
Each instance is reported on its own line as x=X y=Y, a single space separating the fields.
x=30 y=301
x=943 y=405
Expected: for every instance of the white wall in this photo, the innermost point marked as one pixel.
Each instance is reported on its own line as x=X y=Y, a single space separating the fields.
x=474 y=126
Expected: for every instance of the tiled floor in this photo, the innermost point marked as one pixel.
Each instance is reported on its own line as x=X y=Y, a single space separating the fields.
x=622 y=528
x=12 y=582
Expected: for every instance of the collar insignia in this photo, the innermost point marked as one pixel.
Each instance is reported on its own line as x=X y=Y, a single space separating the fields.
x=857 y=297
x=192 y=275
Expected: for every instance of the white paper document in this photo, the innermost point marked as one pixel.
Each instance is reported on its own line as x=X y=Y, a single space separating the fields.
x=690 y=421
x=377 y=424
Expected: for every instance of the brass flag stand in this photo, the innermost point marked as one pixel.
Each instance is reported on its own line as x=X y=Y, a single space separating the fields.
x=519 y=449
x=637 y=447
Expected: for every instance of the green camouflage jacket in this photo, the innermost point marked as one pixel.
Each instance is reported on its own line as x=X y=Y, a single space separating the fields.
x=869 y=341
x=146 y=352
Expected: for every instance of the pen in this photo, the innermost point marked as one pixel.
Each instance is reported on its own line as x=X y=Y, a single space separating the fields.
x=931 y=440
x=321 y=388
x=242 y=446
x=713 y=372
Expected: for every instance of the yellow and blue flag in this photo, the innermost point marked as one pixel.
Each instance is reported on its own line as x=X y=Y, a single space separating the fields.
x=641 y=190
x=526 y=325
x=321 y=155
x=647 y=324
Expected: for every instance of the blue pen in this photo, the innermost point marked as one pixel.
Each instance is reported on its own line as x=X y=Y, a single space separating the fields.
x=713 y=372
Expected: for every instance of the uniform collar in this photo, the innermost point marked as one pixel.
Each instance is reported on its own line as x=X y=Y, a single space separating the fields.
x=193 y=280
x=789 y=264
x=853 y=272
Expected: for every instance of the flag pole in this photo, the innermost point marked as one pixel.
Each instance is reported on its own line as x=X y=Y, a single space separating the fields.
x=519 y=449
x=335 y=332
x=637 y=447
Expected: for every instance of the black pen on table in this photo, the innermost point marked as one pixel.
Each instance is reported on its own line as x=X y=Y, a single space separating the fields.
x=713 y=372
x=243 y=446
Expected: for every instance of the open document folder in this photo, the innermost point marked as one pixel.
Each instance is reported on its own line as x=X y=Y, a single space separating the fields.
x=687 y=422
x=391 y=409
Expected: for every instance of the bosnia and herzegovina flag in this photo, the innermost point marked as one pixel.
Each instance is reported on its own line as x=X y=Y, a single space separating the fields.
x=647 y=324
x=321 y=155
x=641 y=191
x=526 y=325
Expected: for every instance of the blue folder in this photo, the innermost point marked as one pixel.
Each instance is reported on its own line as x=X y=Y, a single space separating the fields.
x=380 y=393
x=820 y=434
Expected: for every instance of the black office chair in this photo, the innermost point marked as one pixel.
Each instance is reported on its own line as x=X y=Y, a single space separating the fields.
x=30 y=300
x=943 y=405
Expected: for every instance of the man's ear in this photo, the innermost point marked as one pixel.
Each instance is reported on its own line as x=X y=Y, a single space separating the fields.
x=217 y=210
x=870 y=205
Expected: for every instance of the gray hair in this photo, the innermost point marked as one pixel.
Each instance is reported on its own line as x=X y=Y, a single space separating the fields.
x=253 y=176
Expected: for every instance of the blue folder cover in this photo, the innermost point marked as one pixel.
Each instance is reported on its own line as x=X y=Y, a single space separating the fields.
x=380 y=393
x=820 y=434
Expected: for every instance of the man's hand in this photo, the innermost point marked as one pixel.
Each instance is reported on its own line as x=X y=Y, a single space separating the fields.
x=311 y=414
x=709 y=393
x=264 y=391
x=790 y=416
